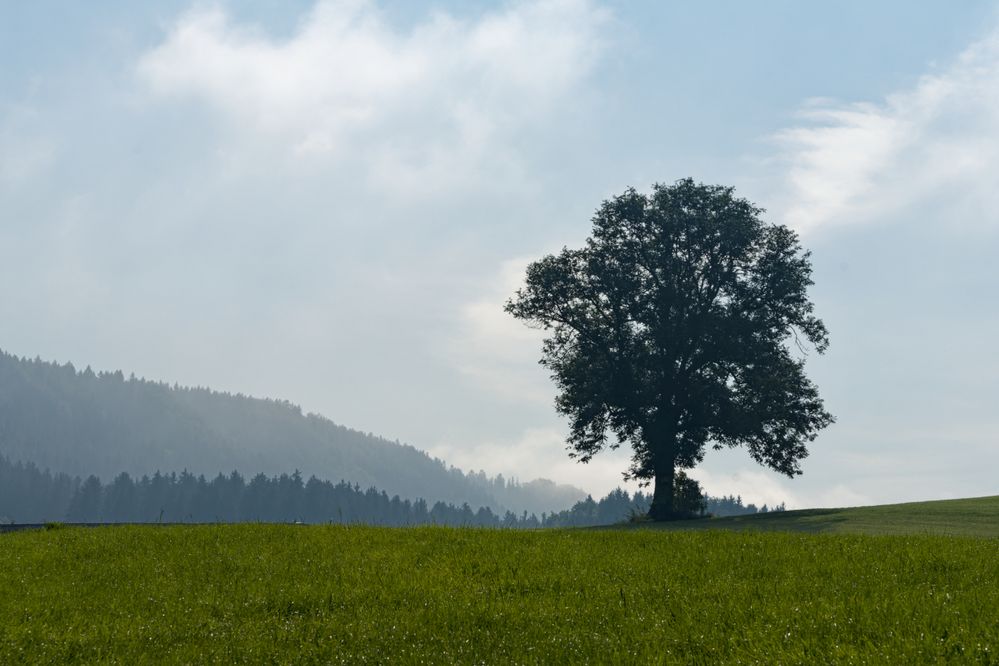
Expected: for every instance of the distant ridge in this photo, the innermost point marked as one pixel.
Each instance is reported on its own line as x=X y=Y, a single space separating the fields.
x=86 y=422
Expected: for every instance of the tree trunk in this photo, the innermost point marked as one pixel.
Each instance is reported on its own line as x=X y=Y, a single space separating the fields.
x=662 y=497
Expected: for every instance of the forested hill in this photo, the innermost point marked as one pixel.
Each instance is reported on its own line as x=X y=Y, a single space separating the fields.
x=82 y=423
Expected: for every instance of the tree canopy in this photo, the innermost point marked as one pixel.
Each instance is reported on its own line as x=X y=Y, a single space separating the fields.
x=684 y=320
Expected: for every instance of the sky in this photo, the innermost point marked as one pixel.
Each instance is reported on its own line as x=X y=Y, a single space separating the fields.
x=329 y=202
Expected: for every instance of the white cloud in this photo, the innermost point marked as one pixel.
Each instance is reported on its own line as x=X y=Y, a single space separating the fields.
x=439 y=102
x=753 y=485
x=496 y=351
x=850 y=163
x=540 y=452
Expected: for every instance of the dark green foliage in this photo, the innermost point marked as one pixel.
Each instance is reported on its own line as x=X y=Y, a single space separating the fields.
x=613 y=508
x=618 y=507
x=229 y=498
x=671 y=328
x=30 y=496
x=286 y=594
x=88 y=503
x=103 y=423
x=732 y=506
x=688 y=499
x=174 y=498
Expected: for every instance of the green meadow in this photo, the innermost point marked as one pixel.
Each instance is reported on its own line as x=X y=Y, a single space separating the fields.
x=960 y=517
x=782 y=588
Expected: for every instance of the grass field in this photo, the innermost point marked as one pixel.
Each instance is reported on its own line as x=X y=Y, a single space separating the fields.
x=961 y=517
x=266 y=593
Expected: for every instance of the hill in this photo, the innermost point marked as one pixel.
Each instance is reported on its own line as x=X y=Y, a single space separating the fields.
x=102 y=423
x=958 y=517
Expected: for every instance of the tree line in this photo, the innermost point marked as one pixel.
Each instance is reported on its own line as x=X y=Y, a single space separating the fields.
x=29 y=494
x=618 y=506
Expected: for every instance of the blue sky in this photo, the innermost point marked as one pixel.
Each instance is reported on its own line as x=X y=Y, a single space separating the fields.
x=329 y=202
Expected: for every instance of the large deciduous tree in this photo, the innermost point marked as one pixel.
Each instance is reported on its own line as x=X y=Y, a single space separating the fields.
x=684 y=320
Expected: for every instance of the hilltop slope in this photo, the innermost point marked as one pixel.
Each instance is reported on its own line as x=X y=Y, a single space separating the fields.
x=977 y=516
x=82 y=422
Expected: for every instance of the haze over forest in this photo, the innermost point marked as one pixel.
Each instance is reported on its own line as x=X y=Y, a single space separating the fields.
x=79 y=423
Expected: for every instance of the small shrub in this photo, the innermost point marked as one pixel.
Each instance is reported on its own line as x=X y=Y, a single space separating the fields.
x=688 y=497
x=636 y=515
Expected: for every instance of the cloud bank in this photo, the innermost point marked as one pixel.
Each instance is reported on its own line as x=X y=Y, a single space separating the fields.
x=432 y=105
x=858 y=162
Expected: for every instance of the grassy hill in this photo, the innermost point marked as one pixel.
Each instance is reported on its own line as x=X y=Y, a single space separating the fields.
x=977 y=516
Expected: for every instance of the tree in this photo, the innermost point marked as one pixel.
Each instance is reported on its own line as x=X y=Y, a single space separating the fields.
x=683 y=320
x=86 y=505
